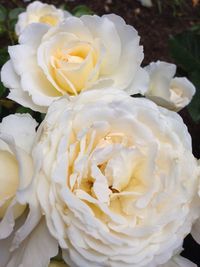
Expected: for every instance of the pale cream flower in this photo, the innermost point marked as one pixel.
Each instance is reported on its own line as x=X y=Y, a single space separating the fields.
x=73 y=57
x=23 y=232
x=116 y=180
x=172 y=93
x=38 y=12
x=10 y=162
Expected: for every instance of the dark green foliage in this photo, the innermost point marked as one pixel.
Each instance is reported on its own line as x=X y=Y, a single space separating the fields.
x=185 y=49
x=81 y=10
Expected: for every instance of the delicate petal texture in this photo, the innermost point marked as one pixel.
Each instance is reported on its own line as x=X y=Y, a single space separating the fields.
x=5 y=244
x=22 y=129
x=38 y=12
x=4 y=250
x=36 y=250
x=166 y=91
x=9 y=76
x=33 y=34
x=116 y=180
x=77 y=55
x=11 y=80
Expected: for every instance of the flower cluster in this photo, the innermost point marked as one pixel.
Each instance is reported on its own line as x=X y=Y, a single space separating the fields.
x=107 y=179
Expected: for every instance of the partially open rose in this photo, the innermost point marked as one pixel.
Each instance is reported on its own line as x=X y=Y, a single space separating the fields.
x=12 y=160
x=22 y=229
x=38 y=12
x=73 y=57
x=116 y=180
x=167 y=91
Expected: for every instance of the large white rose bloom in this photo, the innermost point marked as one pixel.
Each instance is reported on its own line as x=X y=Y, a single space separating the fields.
x=72 y=57
x=116 y=180
x=165 y=90
x=23 y=232
x=38 y=12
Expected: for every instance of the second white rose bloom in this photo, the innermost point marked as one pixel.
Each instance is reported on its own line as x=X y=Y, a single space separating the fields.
x=116 y=180
x=167 y=91
x=38 y=12
x=73 y=57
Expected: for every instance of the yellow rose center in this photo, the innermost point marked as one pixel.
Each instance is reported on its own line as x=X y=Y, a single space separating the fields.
x=71 y=68
x=71 y=56
x=113 y=174
x=48 y=19
x=177 y=91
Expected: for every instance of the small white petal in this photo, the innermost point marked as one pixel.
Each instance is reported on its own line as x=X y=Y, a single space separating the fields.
x=166 y=91
x=9 y=77
x=33 y=34
x=34 y=251
x=22 y=128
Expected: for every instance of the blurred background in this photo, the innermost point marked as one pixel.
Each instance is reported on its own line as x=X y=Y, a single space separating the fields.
x=169 y=30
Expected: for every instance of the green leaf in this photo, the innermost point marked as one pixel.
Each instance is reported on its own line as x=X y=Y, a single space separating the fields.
x=185 y=49
x=12 y=25
x=2 y=89
x=4 y=56
x=42 y=116
x=3 y=13
x=7 y=103
x=194 y=106
x=22 y=109
x=196 y=28
x=64 y=6
x=59 y=256
x=14 y=13
x=81 y=10
x=2 y=29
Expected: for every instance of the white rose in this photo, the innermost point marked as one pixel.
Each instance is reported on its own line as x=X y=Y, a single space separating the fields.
x=37 y=12
x=72 y=57
x=116 y=179
x=22 y=230
x=10 y=163
x=172 y=93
